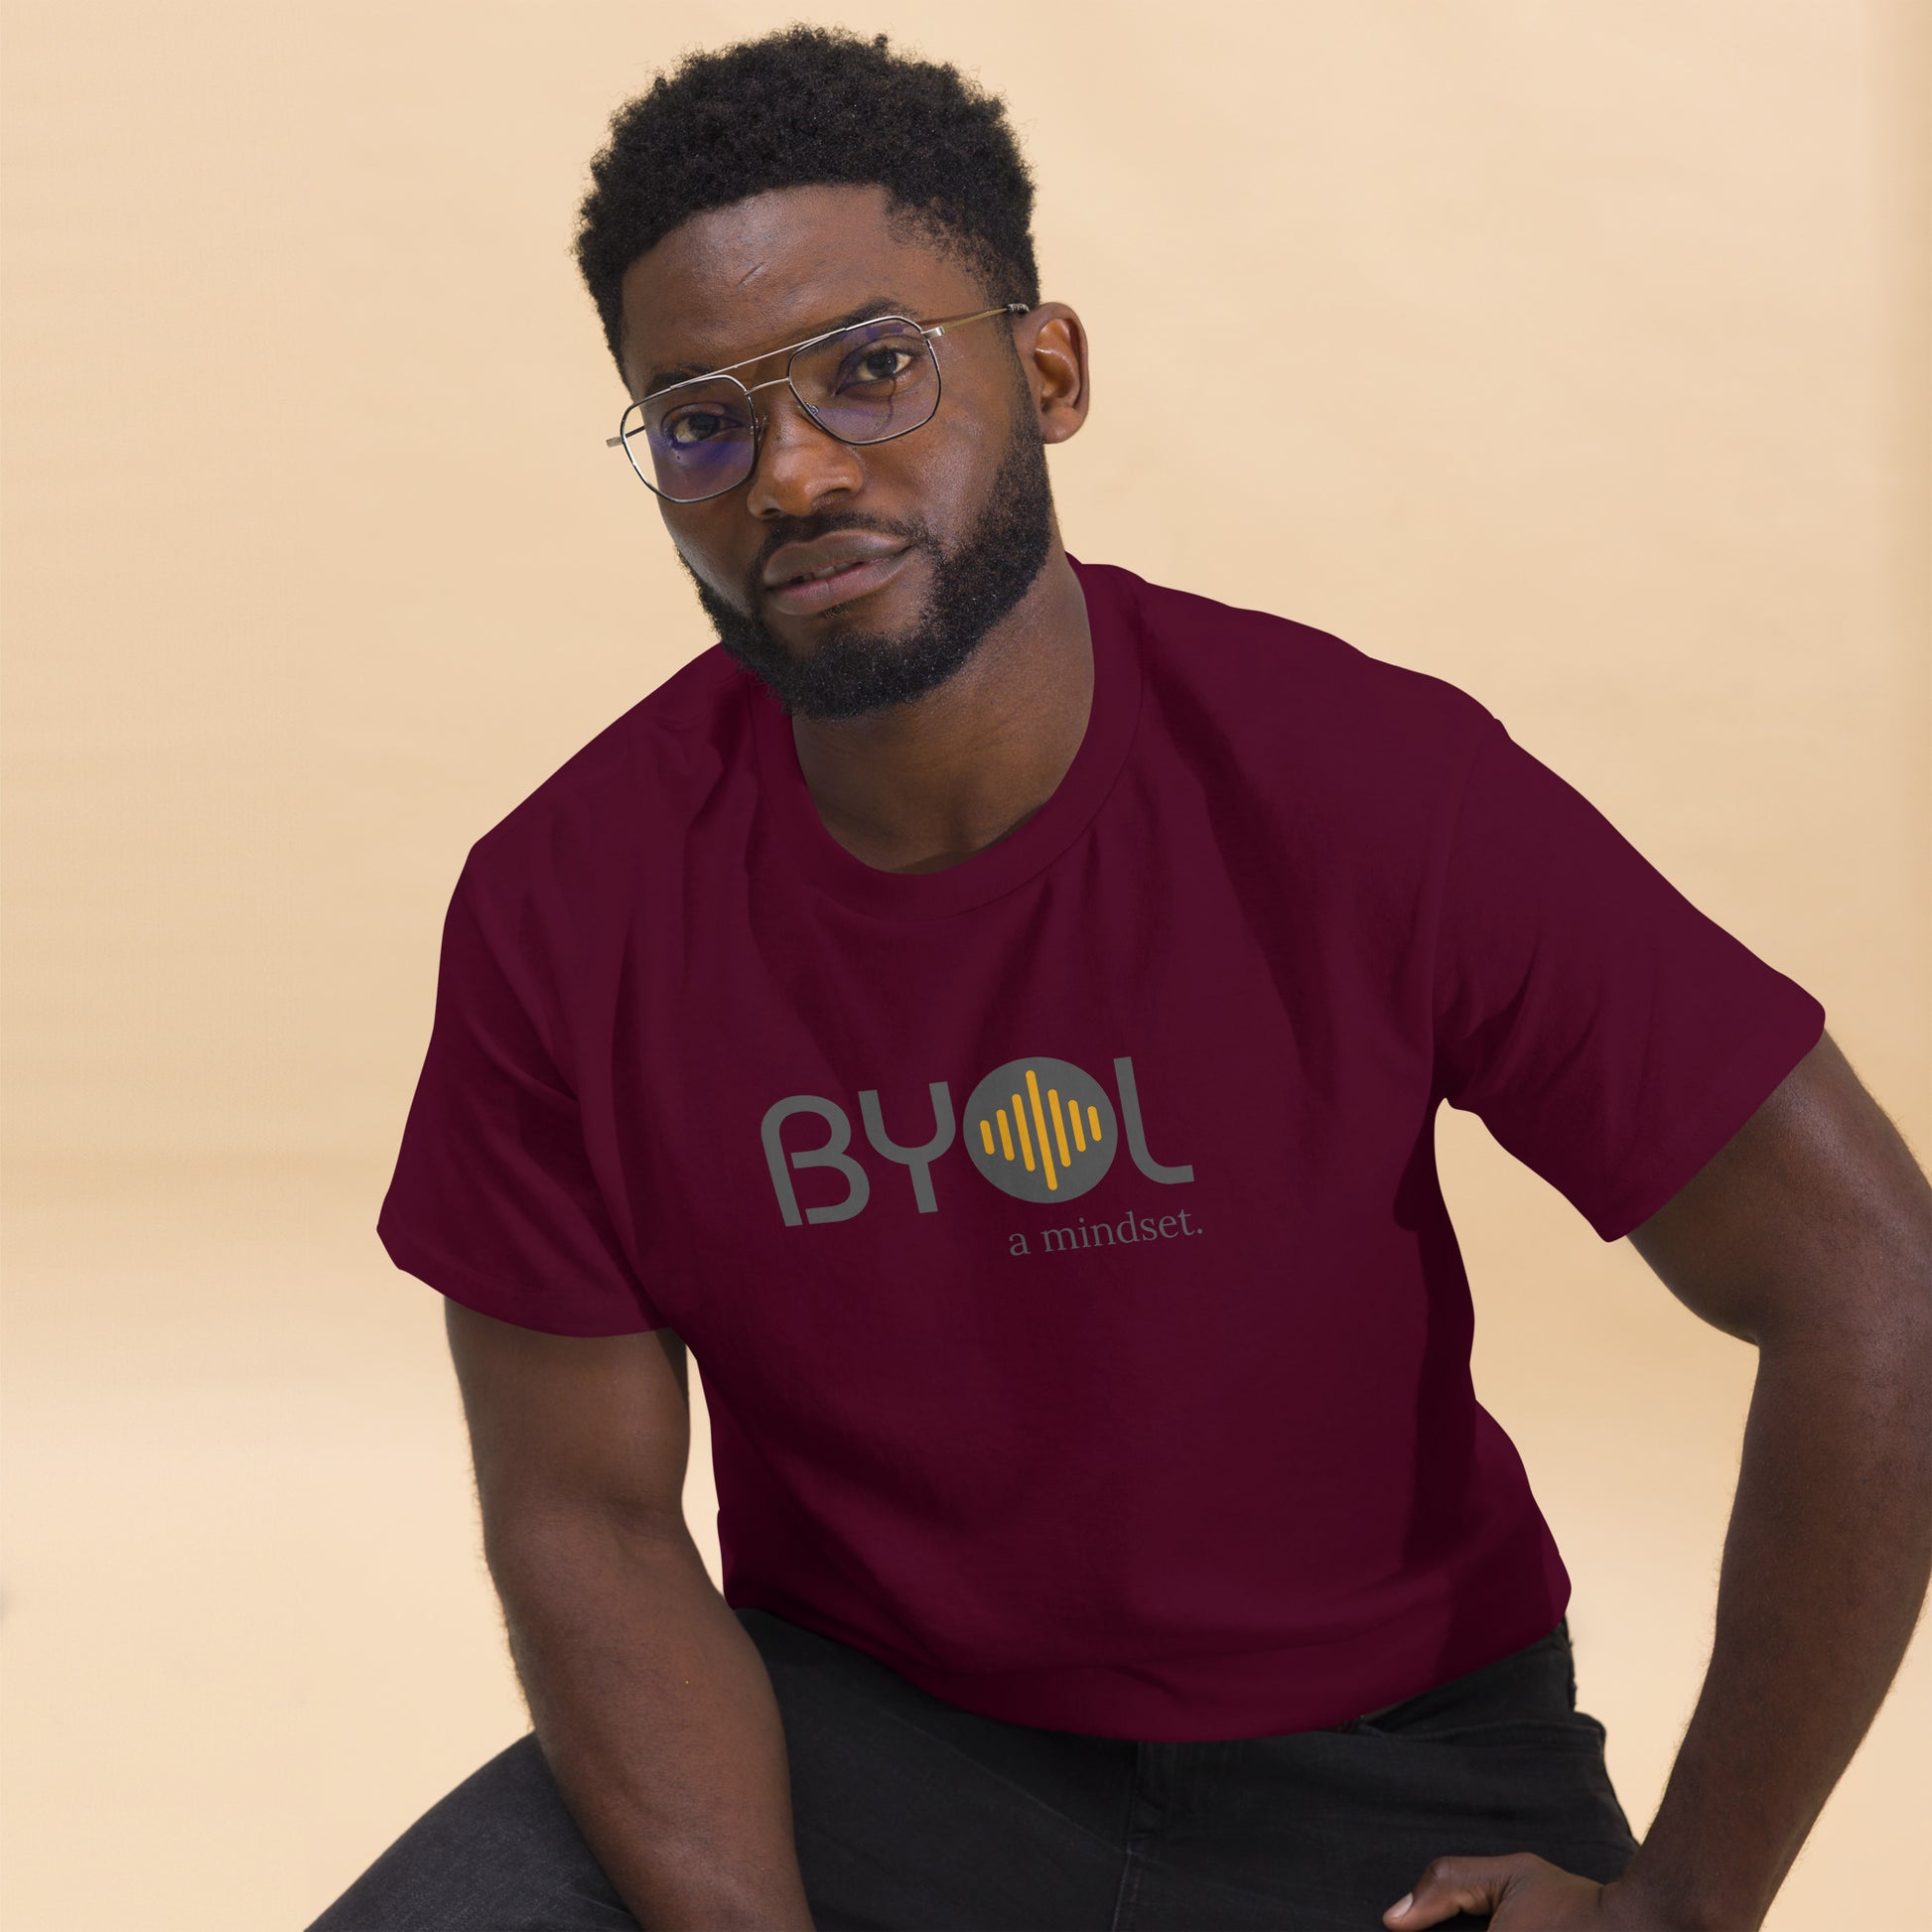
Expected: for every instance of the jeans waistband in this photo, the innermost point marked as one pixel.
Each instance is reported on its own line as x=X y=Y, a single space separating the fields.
x=1538 y=1680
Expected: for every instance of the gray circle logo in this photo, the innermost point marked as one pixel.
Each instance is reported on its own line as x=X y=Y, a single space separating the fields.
x=1040 y=1129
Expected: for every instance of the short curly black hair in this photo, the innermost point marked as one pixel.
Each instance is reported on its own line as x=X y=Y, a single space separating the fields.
x=795 y=108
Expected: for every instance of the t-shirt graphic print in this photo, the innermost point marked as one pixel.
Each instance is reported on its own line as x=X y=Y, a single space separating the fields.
x=1053 y=1143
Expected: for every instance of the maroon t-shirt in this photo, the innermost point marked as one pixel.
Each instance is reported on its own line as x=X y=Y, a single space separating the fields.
x=1059 y=1235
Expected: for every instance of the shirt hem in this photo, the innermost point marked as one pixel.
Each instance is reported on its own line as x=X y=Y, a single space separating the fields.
x=498 y=1300
x=1225 y=1696
x=1752 y=1076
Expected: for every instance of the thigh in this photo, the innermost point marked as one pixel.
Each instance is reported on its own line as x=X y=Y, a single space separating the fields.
x=913 y=1814
x=908 y=1813
x=1328 y=1829
x=498 y=1853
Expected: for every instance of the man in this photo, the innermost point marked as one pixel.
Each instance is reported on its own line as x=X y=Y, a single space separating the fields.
x=1001 y=1034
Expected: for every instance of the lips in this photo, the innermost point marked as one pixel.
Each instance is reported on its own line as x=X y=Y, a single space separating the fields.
x=803 y=579
x=795 y=560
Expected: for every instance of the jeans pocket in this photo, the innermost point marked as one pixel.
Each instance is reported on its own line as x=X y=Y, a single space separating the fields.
x=1576 y=1731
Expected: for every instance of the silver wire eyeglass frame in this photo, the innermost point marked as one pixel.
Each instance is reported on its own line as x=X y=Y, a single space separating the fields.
x=791 y=351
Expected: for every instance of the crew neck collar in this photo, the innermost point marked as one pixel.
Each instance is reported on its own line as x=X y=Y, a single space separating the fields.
x=805 y=844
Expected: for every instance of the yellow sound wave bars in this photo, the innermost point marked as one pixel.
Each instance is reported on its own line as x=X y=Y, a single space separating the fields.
x=1085 y=1133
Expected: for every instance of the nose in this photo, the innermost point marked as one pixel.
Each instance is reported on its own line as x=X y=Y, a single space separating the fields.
x=800 y=468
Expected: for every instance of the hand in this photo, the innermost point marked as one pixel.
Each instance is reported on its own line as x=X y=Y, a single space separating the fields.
x=1523 y=1893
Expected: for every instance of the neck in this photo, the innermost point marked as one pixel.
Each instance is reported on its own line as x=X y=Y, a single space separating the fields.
x=918 y=787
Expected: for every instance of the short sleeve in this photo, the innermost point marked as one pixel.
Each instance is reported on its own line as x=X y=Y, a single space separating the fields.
x=1608 y=1034
x=493 y=1201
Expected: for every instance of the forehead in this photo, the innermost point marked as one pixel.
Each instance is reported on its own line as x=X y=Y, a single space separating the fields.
x=766 y=271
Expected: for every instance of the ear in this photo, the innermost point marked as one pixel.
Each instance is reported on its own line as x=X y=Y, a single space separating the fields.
x=1052 y=347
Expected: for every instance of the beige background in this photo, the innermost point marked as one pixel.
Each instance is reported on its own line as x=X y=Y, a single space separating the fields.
x=1591 y=375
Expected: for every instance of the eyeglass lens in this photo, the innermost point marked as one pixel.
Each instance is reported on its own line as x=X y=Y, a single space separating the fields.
x=865 y=384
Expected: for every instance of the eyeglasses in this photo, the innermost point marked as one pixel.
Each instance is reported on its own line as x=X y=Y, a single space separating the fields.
x=867 y=382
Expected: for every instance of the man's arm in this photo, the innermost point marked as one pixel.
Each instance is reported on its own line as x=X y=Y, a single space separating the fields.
x=1810 y=1236
x=652 y=1706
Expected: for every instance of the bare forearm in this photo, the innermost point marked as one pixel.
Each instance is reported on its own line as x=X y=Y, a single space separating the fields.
x=655 y=1714
x=1824 y=1568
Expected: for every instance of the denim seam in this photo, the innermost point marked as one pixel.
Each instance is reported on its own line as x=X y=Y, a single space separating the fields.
x=1129 y=1889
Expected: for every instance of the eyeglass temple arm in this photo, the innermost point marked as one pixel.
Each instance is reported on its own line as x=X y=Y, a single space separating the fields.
x=960 y=322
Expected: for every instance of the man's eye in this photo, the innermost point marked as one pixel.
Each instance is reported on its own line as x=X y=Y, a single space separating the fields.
x=884 y=363
x=696 y=425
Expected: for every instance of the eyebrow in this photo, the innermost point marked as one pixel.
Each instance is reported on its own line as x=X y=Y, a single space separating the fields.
x=880 y=305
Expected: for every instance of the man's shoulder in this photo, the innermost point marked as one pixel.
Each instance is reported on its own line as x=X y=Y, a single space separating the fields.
x=1280 y=684
x=642 y=775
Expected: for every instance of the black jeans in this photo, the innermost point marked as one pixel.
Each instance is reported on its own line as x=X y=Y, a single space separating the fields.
x=912 y=1813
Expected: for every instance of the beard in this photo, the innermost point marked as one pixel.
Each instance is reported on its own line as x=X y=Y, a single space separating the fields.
x=850 y=670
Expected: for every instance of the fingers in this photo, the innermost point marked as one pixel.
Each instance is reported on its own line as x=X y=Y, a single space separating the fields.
x=1451 y=1886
